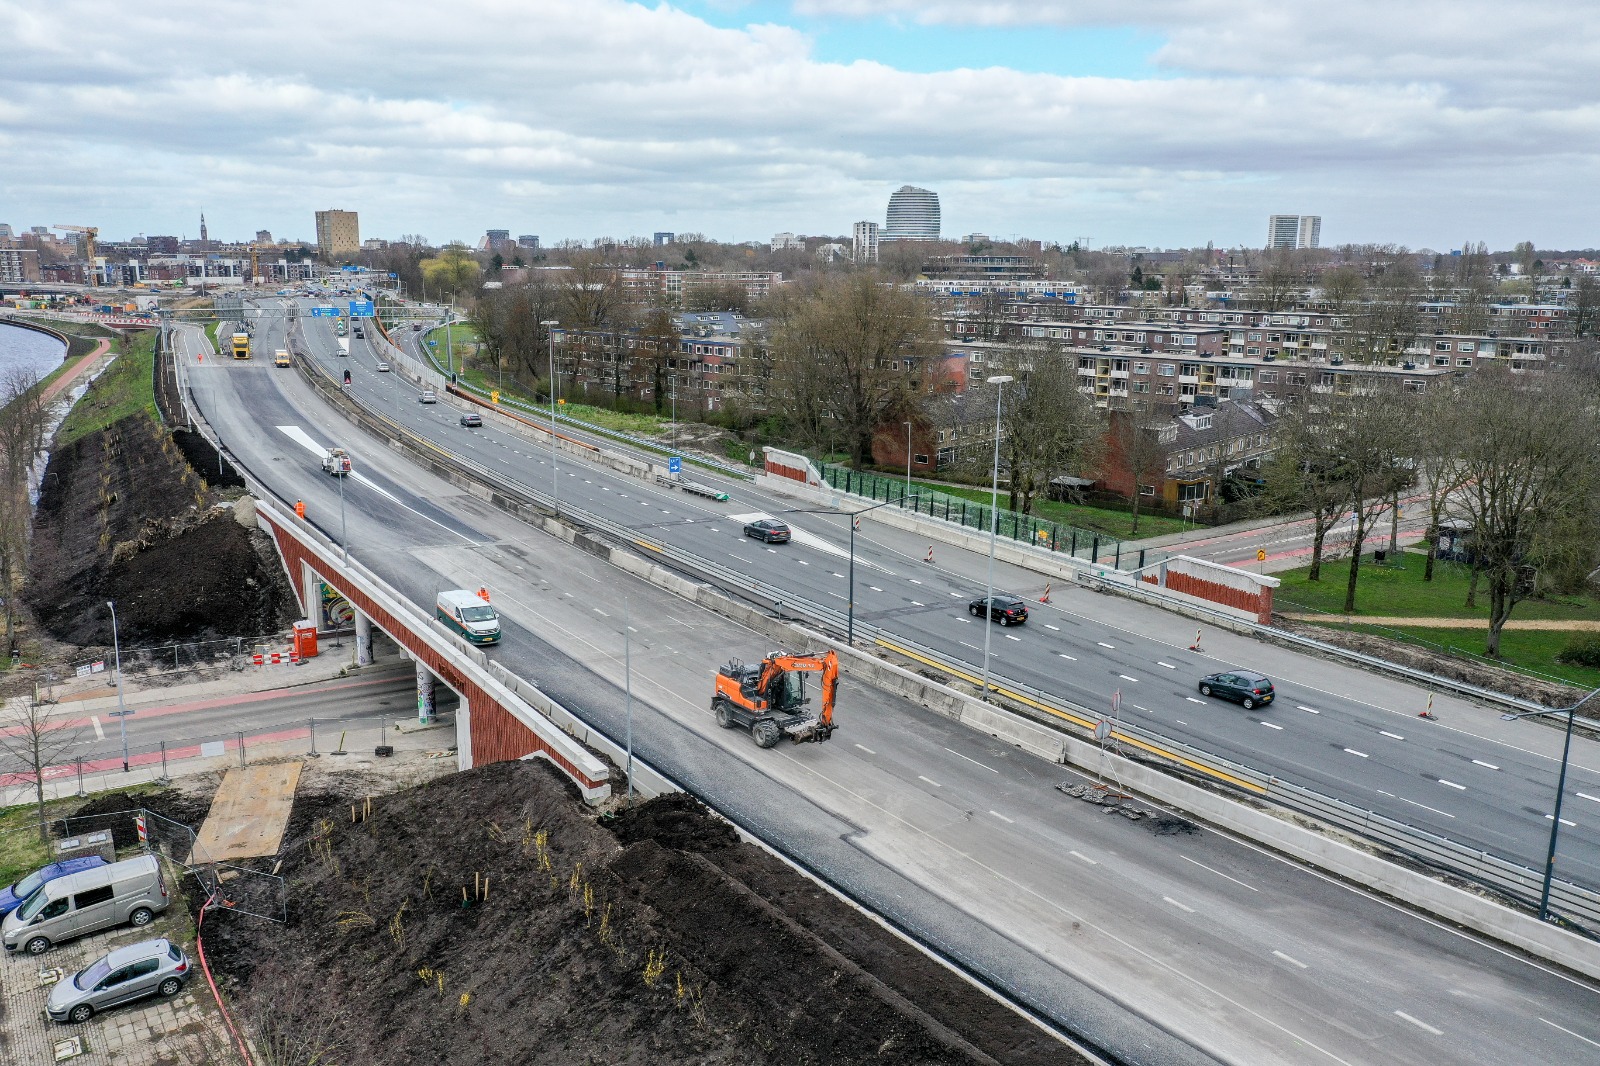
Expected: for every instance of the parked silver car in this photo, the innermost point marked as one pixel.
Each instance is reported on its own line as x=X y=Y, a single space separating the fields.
x=150 y=968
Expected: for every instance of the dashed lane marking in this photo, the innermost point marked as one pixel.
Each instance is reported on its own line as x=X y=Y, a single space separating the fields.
x=1311 y=710
x=1292 y=961
x=1180 y=906
x=1191 y=699
x=1125 y=677
x=1492 y=766
x=1083 y=857
x=1003 y=818
x=1067 y=657
x=1419 y=1023
x=1057 y=629
x=1452 y=784
x=1168 y=666
x=930 y=781
x=1103 y=644
x=1271 y=725
x=1359 y=754
x=1010 y=637
x=1386 y=733
x=1563 y=821
x=866 y=749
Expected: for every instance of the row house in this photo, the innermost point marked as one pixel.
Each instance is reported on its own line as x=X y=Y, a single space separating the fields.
x=1194 y=453
x=658 y=284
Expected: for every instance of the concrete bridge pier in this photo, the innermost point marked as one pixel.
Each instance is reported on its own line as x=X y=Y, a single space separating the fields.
x=426 y=705
x=363 y=640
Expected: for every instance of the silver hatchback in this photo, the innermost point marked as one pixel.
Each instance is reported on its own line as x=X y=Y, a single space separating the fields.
x=150 y=968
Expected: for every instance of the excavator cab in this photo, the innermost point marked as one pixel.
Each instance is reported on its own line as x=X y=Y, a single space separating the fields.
x=771 y=700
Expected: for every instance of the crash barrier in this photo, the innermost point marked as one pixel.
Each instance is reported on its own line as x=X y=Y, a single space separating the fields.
x=1514 y=881
x=493 y=723
x=238 y=889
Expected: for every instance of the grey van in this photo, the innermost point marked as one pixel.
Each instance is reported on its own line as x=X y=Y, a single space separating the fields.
x=132 y=891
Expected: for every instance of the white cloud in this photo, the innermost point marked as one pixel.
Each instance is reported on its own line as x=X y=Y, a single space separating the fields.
x=576 y=117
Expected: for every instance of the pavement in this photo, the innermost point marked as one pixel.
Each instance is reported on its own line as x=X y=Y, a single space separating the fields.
x=64 y=382
x=1171 y=945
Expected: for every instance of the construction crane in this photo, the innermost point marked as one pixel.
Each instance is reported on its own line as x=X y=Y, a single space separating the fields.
x=770 y=699
x=256 y=248
x=89 y=234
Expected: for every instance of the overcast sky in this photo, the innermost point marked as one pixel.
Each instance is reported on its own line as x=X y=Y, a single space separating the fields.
x=1158 y=122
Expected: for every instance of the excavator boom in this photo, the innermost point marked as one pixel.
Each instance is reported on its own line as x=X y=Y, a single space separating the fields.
x=761 y=699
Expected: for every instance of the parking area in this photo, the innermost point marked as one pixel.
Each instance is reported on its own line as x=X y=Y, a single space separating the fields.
x=187 y=1028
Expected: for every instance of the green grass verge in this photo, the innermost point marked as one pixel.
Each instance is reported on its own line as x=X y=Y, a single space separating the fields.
x=211 y=331
x=1117 y=524
x=1399 y=590
x=20 y=850
x=124 y=390
x=1527 y=650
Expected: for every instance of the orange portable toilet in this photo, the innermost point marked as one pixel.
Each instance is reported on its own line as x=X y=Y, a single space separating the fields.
x=305 y=640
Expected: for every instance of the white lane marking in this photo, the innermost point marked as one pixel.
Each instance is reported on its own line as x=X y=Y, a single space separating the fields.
x=1270 y=725
x=1169 y=666
x=1359 y=754
x=99 y=733
x=1290 y=960
x=1136 y=707
x=866 y=749
x=1103 y=644
x=1419 y=1024
x=1178 y=905
x=1452 y=784
x=1010 y=637
x=1219 y=873
x=874 y=588
x=1065 y=656
x=914 y=603
x=802 y=562
x=1180 y=721
x=974 y=647
x=598 y=611
x=956 y=594
x=1191 y=699
x=1569 y=1032
x=1425 y=807
x=1303 y=707
x=1125 y=677
x=1563 y=821
x=1492 y=766
x=930 y=781
x=973 y=761
x=1582 y=795
x=1386 y=733
x=1085 y=858
x=1057 y=629
x=914 y=581
x=1003 y=818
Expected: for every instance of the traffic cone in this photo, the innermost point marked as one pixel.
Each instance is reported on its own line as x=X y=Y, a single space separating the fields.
x=1046 y=597
x=1196 y=645
x=929 y=559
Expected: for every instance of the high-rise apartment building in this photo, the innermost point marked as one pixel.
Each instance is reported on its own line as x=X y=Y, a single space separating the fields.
x=528 y=240
x=338 y=234
x=864 y=242
x=913 y=215
x=663 y=236
x=1294 y=231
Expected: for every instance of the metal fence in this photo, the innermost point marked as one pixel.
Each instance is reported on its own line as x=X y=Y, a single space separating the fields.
x=1070 y=540
x=177 y=657
x=1511 y=880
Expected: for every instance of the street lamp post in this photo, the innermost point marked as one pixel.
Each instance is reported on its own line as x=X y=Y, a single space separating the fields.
x=627 y=659
x=908 y=458
x=850 y=616
x=1561 y=788
x=344 y=537
x=122 y=708
x=999 y=382
x=549 y=325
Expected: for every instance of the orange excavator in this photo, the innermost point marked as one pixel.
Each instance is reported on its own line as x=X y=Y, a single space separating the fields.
x=770 y=699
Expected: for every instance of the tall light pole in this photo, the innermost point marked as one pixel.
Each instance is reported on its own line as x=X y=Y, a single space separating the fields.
x=122 y=708
x=999 y=382
x=344 y=537
x=908 y=458
x=627 y=660
x=1561 y=788
x=549 y=325
x=850 y=617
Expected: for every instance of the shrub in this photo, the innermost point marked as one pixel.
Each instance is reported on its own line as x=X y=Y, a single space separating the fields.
x=1582 y=650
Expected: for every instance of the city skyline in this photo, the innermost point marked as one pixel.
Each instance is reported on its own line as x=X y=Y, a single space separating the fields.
x=1172 y=125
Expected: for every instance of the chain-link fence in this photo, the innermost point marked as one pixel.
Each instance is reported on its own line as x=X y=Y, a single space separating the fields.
x=1052 y=536
x=233 y=652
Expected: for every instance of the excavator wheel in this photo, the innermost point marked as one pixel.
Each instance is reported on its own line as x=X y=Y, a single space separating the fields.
x=724 y=715
x=765 y=733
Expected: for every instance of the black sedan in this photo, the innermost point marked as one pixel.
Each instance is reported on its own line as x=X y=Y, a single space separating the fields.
x=768 y=531
x=1007 y=610
x=1242 y=686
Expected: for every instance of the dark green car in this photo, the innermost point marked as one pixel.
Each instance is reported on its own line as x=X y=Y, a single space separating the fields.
x=1241 y=686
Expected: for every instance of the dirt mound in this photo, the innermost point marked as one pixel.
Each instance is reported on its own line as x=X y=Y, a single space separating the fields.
x=115 y=810
x=122 y=517
x=495 y=894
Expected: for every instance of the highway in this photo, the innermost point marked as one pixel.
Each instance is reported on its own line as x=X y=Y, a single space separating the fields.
x=1335 y=729
x=1179 y=946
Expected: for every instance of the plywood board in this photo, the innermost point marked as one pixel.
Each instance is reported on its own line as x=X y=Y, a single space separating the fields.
x=249 y=814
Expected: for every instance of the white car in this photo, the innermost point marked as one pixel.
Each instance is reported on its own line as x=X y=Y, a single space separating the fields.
x=383 y=368
x=427 y=396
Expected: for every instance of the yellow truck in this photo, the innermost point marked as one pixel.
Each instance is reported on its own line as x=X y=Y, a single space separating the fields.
x=280 y=358
x=241 y=345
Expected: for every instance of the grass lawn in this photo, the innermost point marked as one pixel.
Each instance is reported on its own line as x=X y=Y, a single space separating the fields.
x=20 y=850
x=1117 y=524
x=1529 y=649
x=1400 y=591
x=461 y=336
x=123 y=390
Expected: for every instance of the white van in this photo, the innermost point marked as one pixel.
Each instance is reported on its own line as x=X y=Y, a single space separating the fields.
x=131 y=892
x=469 y=615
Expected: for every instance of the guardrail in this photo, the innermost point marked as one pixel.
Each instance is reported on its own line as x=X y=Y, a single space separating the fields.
x=1514 y=881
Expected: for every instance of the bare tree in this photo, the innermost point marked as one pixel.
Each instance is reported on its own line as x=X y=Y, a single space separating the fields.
x=1307 y=473
x=1530 y=474
x=31 y=742
x=849 y=353
x=1370 y=429
x=1440 y=432
x=1048 y=427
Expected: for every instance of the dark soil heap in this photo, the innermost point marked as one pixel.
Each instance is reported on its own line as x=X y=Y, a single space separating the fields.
x=488 y=917
x=122 y=517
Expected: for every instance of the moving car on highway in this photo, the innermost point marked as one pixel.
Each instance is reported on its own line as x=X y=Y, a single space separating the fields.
x=471 y=418
x=1007 y=610
x=427 y=396
x=383 y=367
x=768 y=531
x=1242 y=686
x=150 y=968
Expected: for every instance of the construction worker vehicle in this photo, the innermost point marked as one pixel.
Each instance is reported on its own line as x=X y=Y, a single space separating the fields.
x=336 y=462
x=770 y=699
